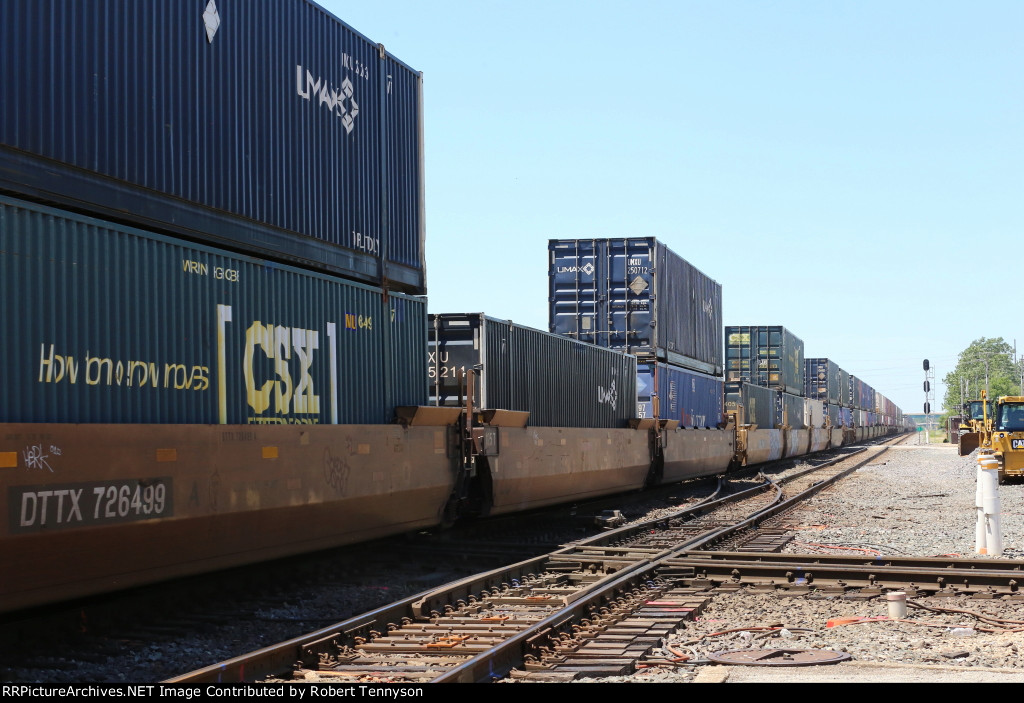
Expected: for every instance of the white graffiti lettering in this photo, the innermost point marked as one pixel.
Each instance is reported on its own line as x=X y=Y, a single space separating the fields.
x=35 y=458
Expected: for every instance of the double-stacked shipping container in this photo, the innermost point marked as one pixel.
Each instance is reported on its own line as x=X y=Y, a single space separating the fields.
x=162 y=186
x=638 y=296
x=826 y=382
x=769 y=357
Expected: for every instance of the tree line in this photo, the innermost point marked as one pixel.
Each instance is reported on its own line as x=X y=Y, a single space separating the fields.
x=987 y=363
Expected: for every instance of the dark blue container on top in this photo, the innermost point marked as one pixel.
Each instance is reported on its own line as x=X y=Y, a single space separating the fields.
x=268 y=127
x=693 y=399
x=825 y=380
x=638 y=296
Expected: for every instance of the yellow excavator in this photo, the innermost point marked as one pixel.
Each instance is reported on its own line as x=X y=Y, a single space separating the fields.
x=1002 y=431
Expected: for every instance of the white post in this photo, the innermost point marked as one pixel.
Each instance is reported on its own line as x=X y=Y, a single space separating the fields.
x=992 y=508
x=979 y=509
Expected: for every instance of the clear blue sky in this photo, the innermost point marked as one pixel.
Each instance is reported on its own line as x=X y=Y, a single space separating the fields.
x=850 y=170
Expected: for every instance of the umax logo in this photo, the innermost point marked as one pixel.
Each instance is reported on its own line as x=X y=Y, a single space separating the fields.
x=340 y=102
x=608 y=396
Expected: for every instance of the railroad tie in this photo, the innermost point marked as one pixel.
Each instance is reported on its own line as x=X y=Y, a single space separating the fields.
x=616 y=650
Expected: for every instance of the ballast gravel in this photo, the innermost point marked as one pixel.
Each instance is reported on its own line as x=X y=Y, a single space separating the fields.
x=914 y=500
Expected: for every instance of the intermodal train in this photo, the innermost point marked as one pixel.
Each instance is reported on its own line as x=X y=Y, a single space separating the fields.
x=214 y=336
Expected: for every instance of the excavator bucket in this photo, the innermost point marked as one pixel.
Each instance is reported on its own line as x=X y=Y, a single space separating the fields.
x=969 y=442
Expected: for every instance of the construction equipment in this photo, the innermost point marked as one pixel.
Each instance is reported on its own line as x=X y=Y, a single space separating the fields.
x=1007 y=436
x=1000 y=429
x=977 y=423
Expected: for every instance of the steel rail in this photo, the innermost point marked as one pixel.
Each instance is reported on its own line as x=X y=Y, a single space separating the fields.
x=615 y=569
x=969 y=576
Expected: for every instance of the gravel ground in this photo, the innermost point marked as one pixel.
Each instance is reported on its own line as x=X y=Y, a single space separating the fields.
x=916 y=500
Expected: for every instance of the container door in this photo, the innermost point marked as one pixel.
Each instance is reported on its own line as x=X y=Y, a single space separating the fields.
x=455 y=347
x=631 y=295
x=578 y=295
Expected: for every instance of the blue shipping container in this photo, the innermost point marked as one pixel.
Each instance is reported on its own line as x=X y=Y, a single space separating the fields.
x=636 y=295
x=267 y=127
x=694 y=399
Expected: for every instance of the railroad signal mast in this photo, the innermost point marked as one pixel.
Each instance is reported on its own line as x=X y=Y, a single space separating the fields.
x=929 y=396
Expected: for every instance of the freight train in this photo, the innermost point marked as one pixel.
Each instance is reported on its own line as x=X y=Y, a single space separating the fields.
x=215 y=342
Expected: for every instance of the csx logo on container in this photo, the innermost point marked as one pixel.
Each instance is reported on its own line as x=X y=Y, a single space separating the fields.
x=287 y=372
x=280 y=344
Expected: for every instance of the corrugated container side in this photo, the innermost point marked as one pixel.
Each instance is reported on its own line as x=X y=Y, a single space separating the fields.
x=814 y=413
x=867 y=397
x=757 y=405
x=114 y=324
x=284 y=133
x=769 y=356
x=694 y=399
x=790 y=410
x=844 y=388
x=854 y=393
x=823 y=380
x=559 y=381
x=697 y=333
x=840 y=416
x=860 y=418
x=636 y=295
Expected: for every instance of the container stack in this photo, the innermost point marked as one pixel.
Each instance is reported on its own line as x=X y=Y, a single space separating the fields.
x=218 y=217
x=826 y=382
x=765 y=367
x=850 y=402
x=637 y=296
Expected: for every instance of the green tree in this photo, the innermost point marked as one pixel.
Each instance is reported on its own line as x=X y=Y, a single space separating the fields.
x=984 y=361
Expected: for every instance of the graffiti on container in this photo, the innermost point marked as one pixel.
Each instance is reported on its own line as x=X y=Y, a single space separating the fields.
x=608 y=396
x=709 y=307
x=198 y=268
x=37 y=456
x=336 y=471
x=55 y=368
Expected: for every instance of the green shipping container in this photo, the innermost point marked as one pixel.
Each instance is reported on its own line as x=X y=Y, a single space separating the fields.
x=769 y=356
x=105 y=323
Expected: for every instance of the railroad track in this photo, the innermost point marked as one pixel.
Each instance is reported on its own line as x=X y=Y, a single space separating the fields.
x=597 y=606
